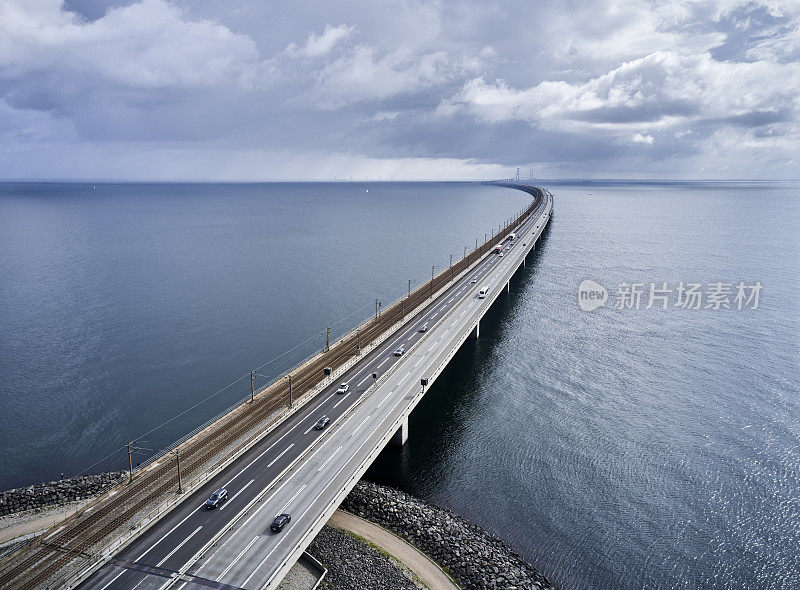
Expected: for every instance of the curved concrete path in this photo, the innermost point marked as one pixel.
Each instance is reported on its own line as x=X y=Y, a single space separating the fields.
x=423 y=566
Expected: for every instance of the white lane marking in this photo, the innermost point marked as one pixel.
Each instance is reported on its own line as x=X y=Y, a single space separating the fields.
x=360 y=425
x=404 y=378
x=341 y=400
x=310 y=427
x=297 y=493
x=269 y=448
x=181 y=544
x=451 y=300
x=363 y=381
x=114 y=579
x=236 y=494
x=434 y=315
x=321 y=467
x=264 y=503
x=422 y=358
x=461 y=315
x=238 y=557
x=383 y=363
x=390 y=347
x=310 y=505
x=271 y=463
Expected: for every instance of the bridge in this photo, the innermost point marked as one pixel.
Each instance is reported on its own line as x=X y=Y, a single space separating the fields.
x=154 y=532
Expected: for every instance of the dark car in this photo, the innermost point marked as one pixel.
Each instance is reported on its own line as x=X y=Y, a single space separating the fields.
x=217 y=498
x=280 y=521
x=322 y=423
x=423 y=328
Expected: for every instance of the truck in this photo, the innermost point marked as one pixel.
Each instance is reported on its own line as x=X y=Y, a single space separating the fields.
x=512 y=236
x=498 y=248
x=482 y=293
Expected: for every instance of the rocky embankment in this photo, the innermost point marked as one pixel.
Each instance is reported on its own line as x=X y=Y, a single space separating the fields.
x=57 y=492
x=354 y=565
x=472 y=556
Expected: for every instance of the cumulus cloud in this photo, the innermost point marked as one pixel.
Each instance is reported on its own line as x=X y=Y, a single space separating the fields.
x=661 y=92
x=364 y=74
x=148 y=44
x=130 y=73
x=317 y=46
x=622 y=86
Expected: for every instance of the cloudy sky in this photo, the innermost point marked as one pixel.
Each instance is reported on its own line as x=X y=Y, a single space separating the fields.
x=251 y=90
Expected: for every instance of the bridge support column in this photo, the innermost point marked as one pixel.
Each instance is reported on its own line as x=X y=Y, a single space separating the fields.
x=476 y=332
x=508 y=287
x=401 y=436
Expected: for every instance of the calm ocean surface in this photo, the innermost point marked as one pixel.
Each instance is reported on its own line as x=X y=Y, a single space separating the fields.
x=618 y=448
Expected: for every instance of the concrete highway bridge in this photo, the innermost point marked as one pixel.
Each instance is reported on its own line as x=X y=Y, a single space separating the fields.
x=154 y=532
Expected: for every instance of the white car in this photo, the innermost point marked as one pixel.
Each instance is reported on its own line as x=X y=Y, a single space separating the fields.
x=399 y=351
x=343 y=388
x=501 y=254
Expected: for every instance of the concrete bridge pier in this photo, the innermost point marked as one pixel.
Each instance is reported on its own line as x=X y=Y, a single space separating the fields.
x=401 y=436
x=476 y=331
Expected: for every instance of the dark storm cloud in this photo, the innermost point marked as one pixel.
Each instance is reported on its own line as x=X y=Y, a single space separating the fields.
x=92 y=9
x=444 y=89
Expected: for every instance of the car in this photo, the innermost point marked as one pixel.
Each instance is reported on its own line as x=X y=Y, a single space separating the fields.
x=474 y=281
x=523 y=243
x=423 y=328
x=322 y=423
x=280 y=521
x=501 y=254
x=399 y=351
x=343 y=388
x=217 y=498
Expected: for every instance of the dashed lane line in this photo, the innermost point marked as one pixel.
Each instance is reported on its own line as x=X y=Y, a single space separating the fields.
x=238 y=557
x=297 y=493
x=236 y=494
x=271 y=463
x=360 y=425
